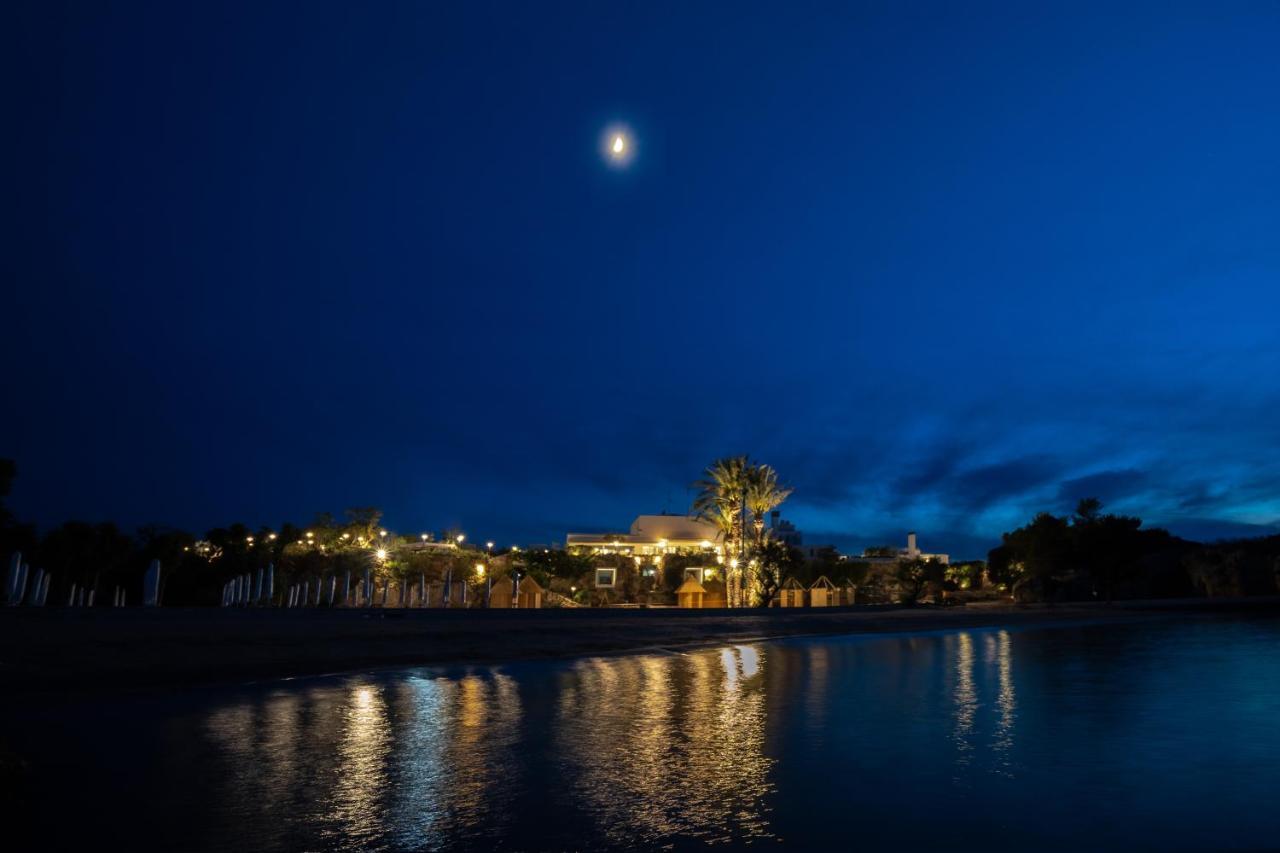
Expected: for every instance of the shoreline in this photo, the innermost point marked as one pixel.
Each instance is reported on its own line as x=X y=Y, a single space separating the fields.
x=78 y=652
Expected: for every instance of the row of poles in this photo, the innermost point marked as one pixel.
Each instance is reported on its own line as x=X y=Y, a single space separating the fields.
x=249 y=590
x=23 y=587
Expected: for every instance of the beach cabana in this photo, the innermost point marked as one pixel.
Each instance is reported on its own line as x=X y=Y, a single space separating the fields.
x=822 y=593
x=848 y=593
x=530 y=595
x=791 y=594
x=691 y=594
x=715 y=596
x=500 y=595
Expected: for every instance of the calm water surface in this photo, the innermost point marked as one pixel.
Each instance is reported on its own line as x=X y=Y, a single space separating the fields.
x=1156 y=735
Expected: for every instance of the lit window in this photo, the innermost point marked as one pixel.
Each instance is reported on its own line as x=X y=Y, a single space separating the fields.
x=606 y=577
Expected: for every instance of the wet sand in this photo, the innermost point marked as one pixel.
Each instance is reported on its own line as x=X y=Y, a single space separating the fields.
x=91 y=651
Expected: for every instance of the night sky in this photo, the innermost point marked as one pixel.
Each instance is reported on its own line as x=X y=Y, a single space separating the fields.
x=942 y=265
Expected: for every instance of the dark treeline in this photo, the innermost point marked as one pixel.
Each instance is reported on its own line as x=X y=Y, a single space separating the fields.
x=1092 y=555
x=1087 y=556
x=101 y=556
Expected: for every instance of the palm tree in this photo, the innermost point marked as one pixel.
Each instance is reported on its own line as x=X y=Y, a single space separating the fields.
x=763 y=494
x=725 y=482
x=732 y=487
x=721 y=500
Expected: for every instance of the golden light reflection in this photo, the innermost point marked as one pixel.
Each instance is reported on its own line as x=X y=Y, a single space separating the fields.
x=965 y=698
x=1000 y=651
x=695 y=724
x=363 y=750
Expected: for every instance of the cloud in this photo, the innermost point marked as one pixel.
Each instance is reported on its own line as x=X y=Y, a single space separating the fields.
x=1106 y=486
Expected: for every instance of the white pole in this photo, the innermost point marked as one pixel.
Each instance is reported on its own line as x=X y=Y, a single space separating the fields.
x=151 y=585
x=11 y=580
x=20 y=586
x=33 y=596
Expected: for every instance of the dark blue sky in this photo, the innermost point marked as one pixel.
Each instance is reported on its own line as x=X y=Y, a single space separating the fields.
x=943 y=265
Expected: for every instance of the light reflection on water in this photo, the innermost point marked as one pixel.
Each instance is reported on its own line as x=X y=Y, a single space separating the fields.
x=973 y=739
x=662 y=746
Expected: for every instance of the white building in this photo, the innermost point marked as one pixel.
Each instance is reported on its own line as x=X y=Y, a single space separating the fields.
x=911 y=552
x=650 y=535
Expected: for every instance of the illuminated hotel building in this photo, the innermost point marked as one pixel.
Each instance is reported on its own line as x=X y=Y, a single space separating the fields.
x=650 y=535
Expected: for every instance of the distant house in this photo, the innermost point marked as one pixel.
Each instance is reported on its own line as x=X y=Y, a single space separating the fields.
x=911 y=552
x=784 y=531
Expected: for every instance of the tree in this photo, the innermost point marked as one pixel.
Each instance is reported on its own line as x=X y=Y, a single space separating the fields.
x=774 y=562
x=916 y=575
x=364 y=522
x=763 y=494
x=13 y=536
x=731 y=487
x=721 y=494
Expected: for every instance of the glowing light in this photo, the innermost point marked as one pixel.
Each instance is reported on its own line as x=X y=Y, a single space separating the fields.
x=381 y=553
x=705 y=544
x=489 y=545
x=480 y=569
x=617 y=145
x=424 y=537
x=382 y=533
x=459 y=538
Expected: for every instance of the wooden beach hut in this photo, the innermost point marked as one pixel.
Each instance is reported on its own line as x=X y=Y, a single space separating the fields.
x=530 y=595
x=848 y=592
x=690 y=594
x=791 y=594
x=822 y=593
x=715 y=596
x=500 y=597
x=528 y=598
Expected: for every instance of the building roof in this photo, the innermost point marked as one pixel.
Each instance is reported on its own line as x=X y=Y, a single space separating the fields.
x=792 y=583
x=822 y=582
x=674 y=528
x=649 y=531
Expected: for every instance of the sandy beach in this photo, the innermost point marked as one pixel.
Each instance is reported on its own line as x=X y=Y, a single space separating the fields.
x=106 y=650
